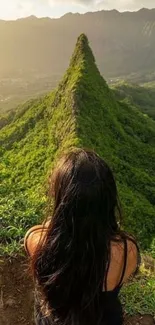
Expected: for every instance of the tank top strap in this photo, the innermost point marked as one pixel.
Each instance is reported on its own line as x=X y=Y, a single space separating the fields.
x=125 y=242
x=138 y=256
x=125 y=262
x=106 y=275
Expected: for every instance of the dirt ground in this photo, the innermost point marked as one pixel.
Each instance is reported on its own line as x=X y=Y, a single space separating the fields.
x=16 y=296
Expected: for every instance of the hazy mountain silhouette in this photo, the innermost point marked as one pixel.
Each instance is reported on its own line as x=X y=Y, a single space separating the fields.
x=122 y=42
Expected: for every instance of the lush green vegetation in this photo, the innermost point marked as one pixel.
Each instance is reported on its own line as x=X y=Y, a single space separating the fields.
x=29 y=144
x=82 y=111
x=143 y=97
x=138 y=295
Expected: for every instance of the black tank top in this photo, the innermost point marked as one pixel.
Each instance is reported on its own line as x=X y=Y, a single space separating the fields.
x=113 y=311
x=113 y=314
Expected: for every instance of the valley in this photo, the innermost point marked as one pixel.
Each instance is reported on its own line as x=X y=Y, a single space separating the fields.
x=16 y=91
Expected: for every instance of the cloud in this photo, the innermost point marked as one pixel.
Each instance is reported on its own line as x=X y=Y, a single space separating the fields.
x=25 y=6
x=15 y=8
x=84 y=3
x=12 y=9
x=126 y=4
x=107 y=4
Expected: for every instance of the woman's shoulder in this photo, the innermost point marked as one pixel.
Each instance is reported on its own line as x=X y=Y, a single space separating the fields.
x=134 y=257
x=127 y=251
x=33 y=237
x=124 y=261
x=125 y=247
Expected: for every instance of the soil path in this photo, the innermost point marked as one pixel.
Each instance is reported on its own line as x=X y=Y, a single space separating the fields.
x=16 y=296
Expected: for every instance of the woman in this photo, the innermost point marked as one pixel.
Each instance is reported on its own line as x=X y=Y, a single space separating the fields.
x=80 y=258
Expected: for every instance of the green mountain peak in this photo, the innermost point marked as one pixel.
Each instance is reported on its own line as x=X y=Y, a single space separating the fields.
x=83 y=81
x=82 y=62
x=82 y=51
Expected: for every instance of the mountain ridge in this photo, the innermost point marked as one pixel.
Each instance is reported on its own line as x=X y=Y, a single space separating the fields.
x=110 y=42
x=141 y=10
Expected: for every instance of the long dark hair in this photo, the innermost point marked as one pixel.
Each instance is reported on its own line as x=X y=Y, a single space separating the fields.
x=71 y=263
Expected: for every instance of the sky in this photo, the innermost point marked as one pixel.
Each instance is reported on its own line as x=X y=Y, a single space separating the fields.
x=13 y=9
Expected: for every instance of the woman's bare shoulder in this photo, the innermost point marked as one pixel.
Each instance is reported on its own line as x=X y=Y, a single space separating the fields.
x=132 y=258
x=117 y=262
x=33 y=237
x=117 y=249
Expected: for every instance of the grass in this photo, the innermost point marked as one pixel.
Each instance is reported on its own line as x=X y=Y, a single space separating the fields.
x=138 y=296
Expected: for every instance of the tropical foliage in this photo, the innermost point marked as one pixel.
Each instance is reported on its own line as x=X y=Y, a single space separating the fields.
x=81 y=112
x=142 y=96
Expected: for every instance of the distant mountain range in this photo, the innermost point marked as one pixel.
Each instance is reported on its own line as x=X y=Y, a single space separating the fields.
x=123 y=43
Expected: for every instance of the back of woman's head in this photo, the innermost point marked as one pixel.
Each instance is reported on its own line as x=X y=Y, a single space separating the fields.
x=71 y=264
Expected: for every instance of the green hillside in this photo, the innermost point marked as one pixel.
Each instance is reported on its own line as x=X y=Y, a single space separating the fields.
x=142 y=97
x=29 y=144
x=82 y=112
